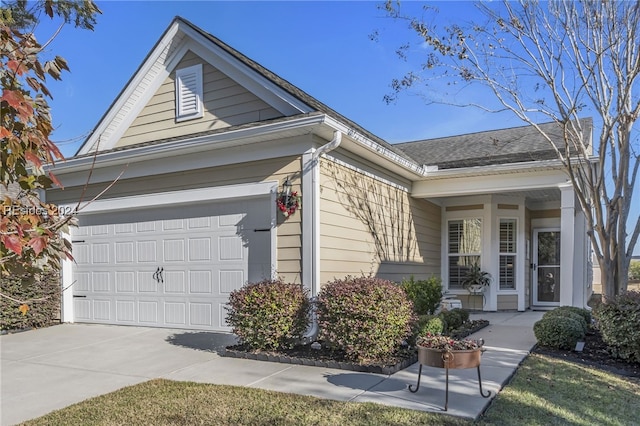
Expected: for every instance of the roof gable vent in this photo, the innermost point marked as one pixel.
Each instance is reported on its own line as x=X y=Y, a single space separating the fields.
x=189 y=93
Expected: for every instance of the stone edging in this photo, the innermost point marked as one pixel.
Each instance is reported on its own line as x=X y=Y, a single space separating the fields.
x=284 y=359
x=341 y=365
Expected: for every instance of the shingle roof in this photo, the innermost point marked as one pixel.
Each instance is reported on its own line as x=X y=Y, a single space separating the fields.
x=513 y=145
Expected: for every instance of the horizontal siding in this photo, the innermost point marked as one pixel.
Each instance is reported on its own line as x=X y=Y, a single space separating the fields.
x=507 y=302
x=226 y=103
x=289 y=241
x=407 y=229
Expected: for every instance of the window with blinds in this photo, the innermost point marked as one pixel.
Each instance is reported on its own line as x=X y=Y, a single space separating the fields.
x=465 y=242
x=508 y=238
x=189 y=93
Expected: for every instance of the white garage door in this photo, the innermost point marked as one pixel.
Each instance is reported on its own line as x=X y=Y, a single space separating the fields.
x=171 y=266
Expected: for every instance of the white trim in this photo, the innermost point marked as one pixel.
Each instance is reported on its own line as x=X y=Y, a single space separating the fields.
x=179 y=38
x=135 y=95
x=366 y=173
x=143 y=201
x=67 y=287
x=194 y=144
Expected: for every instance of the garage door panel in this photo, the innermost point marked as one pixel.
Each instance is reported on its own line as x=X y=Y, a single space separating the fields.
x=174 y=282
x=146 y=251
x=199 y=249
x=125 y=281
x=125 y=251
x=126 y=310
x=230 y=280
x=174 y=250
x=203 y=252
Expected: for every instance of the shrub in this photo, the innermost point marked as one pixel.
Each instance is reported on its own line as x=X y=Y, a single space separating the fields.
x=559 y=332
x=619 y=323
x=634 y=270
x=453 y=319
x=43 y=298
x=429 y=324
x=269 y=314
x=425 y=294
x=584 y=313
x=567 y=314
x=368 y=318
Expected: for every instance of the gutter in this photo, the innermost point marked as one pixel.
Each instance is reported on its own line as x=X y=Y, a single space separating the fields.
x=312 y=331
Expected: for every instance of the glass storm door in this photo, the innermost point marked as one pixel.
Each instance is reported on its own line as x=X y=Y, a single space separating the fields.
x=546 y=267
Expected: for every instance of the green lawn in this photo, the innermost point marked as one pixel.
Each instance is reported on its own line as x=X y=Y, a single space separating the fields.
x=545 y=391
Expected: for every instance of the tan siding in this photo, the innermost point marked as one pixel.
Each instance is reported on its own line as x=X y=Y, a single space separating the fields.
x=471 y=302
x=226 y=103
x=544 y=214
x=289 y=232
x=354 y=208
x=507 y=302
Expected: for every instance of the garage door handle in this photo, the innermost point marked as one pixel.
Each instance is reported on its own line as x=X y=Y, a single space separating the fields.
x=78 y=295
x=158 y=275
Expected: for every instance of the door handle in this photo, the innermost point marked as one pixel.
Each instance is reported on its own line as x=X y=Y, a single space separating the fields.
x=534 y=266
x=158 y=275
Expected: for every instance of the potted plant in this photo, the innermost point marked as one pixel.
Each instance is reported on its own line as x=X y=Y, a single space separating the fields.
x=440 y=351
x=476 y=280
x=435 y=350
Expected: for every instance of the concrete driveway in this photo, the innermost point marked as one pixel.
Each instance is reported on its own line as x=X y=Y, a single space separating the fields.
x=51 y=368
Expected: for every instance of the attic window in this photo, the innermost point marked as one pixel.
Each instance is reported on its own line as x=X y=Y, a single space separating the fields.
x=189 y=93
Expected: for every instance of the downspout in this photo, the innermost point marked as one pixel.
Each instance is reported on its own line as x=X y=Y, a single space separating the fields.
x=312 y=332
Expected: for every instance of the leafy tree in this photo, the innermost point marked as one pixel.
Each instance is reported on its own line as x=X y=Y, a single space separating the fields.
x=30 y=229
x=557 y=60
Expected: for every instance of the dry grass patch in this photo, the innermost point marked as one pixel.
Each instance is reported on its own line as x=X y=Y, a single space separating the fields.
x=164 y=402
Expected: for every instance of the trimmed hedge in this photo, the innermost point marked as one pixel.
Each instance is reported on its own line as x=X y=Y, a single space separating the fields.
x=584 y=313
x=43 y=299
x=619 y=324
x=561 y=332
x=567 y=314
x=367 y=318
x=269 y=314
x=425 y=294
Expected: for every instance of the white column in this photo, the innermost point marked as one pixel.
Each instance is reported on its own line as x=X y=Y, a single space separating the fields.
x=490 y=258
x=67 y=287
x=567 y=245
x=522 y=263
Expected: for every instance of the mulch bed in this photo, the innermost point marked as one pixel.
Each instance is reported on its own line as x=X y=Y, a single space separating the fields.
x=305 y=355
x=594 y=354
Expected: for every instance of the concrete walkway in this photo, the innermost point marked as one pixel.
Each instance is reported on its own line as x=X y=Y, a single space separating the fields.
x=48 y=369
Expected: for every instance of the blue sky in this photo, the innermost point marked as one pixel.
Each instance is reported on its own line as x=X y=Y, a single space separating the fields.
x=321 y=47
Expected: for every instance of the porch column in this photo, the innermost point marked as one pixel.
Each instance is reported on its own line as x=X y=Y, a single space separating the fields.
x=567 y=242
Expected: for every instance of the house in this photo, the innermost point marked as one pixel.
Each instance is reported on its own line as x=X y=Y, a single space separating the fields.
x=202 y=141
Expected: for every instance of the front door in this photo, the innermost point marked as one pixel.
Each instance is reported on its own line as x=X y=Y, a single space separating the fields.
x=546 y=267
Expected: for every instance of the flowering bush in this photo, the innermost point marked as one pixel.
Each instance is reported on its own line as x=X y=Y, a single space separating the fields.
x=446 y=343
x=288 y=205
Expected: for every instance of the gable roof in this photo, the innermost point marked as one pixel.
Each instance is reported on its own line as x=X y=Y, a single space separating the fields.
x=295 y=100
x=513 y=145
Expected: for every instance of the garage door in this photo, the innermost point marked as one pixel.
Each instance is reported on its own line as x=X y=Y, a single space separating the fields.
x=169 y=267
